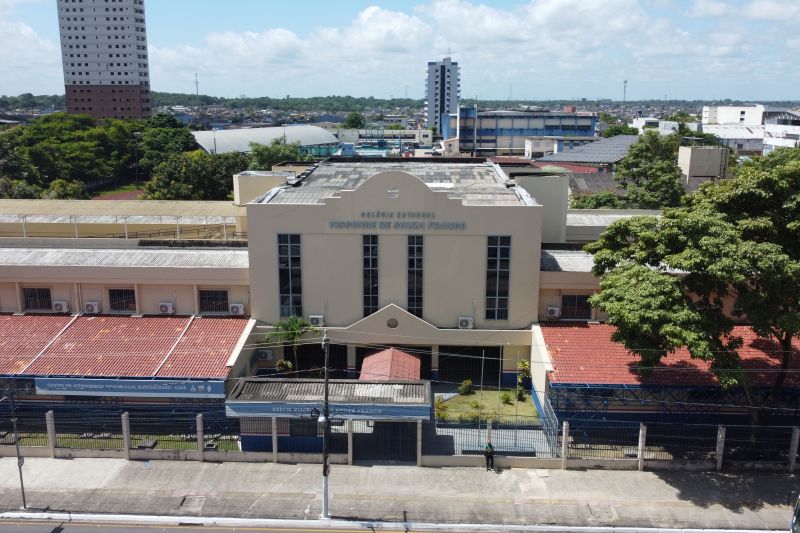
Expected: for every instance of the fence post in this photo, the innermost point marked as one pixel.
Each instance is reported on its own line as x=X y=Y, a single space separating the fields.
x=126 y=435
x=350 y=441
x=274 y=439
x=201 y=441
x=720 y=447
x=50 y=421
x=564 y=445
x=489 y=429
x=642 y=442
x=793 y=448
x=419 y=442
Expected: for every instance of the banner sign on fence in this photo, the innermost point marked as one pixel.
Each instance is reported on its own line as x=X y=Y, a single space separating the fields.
x=338 y=410
x=130 y=387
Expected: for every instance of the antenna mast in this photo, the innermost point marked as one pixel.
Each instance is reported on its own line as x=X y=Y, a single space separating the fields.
x=196 y=85
x=624 y=96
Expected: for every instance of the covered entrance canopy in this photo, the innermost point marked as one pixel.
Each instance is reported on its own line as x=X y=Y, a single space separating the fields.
x=349 y=399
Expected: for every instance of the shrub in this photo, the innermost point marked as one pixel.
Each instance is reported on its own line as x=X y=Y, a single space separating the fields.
x=475 y=404
x=465 y=388
x=441 y=408
x=507 y=397
x=283 y=366
x=468 y=417
x=520 y=394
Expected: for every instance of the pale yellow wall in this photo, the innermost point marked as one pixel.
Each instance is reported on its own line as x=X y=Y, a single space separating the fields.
x=182 y=296
x=552 y=192
x=248 y=186
x=8 y=298
x=455 y=261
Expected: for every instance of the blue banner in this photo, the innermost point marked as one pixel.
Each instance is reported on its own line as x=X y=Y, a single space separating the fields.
x=338 y=410
x=130 y=387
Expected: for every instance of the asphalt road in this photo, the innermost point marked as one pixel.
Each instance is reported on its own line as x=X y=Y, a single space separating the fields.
x=64 y=527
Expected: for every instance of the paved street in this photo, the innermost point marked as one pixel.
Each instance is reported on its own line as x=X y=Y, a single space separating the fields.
x=404 y=494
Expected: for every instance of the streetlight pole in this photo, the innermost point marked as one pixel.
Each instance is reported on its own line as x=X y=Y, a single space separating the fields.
x=136 y=135
x=20 y=460
x=326 y=434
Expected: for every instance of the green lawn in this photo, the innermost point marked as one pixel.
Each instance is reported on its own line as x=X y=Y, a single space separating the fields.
x=487 y=405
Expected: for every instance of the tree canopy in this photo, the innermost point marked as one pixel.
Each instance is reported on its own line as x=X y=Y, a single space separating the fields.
x=354 y=120
x=619 y=129
x=649 y=174
x=263 y=156
x=195 y=176
x=731 y=252
x=599 y=200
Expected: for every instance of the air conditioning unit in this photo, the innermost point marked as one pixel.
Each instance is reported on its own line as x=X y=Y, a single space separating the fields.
x=91 y=308
x=236 y=309
x=61 y=306
x=553 y=312
x=166 y=308
x=466 y=322
x=317 y=320
x=264 y=354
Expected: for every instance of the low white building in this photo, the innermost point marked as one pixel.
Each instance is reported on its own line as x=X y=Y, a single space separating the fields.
x=727 y=114
x=781 y=135
x=744 y=139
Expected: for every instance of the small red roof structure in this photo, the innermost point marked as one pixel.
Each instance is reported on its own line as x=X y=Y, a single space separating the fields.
x=390 y=365
x=584 y=353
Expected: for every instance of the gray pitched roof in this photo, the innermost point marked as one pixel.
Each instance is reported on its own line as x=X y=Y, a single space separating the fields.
x=350 y=391
x=566 y=261
x=194 y=258
x=604 y=151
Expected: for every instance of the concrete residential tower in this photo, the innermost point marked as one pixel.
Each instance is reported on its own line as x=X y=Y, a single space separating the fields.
x=442 y=90
x=104 y=54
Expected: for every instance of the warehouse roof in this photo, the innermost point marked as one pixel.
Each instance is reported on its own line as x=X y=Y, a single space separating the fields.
x=605 y=151
x=604 y=217
x=121 y=208
x=118 y=346
x=473 y=183
x=135 y=257
x=224 y=141
x=584 y=353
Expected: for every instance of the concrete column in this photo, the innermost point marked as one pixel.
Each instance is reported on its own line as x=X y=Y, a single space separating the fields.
x=126 y=435
x=349 y=442
x=564 y=445
x=138 y=299
x=435 y=361
x=419 y=442
x=642 y=442
x=18 y=289
x=201 y=441
x=274 y=439
x=50 y=421
x=720 y=447
x=793 y=448
x=351 y=361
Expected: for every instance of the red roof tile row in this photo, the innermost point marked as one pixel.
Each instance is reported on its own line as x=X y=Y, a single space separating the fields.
x=22 y=337
x=118 y=346
x=585 y=354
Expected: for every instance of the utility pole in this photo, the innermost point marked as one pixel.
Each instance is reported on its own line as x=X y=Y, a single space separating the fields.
x=20 y=460
x=624 y=96
x=196 y=85
x=326 y=433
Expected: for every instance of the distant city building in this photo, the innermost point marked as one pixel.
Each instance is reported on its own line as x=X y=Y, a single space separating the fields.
x=743 y=139
x=505 y=132
x=745 y=115
x=442 y=90
x=781 y=133
x=104 y=55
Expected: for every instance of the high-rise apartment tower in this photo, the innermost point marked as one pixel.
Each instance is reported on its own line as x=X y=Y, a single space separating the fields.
x=104 y=54
x=442 y=89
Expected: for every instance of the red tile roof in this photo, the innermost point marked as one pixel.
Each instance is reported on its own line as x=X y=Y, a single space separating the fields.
x=205 y=348
x=22 y=337
x=585 y=353
x=390 y=365
x=118 y=346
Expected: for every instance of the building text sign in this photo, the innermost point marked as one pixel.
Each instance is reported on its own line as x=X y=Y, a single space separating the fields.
x=398 y=221
x=130 y=387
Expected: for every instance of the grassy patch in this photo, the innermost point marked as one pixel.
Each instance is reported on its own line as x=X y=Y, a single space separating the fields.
x=488 y=404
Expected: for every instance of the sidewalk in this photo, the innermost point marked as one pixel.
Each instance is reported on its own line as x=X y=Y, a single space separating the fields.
x=404 y=493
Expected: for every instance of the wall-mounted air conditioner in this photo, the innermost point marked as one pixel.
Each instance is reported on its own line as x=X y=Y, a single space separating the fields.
x=236 y=309
x=553 y=312
x=166 y=308
x=61 y=306
x=317 y=320
x=91 y=308
x=466 y=322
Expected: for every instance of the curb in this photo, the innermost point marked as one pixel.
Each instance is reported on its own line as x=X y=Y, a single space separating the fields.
x=341 y=524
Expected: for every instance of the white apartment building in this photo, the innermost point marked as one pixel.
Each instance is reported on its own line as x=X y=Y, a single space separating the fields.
x=104 y=56
x=750 y=115
x=442 y=90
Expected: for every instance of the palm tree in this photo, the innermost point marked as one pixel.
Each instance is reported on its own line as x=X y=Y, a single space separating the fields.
x=290 y=331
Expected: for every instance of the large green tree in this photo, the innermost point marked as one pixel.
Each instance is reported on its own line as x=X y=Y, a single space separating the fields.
x=649 y=174
x=263 y=156
x=354 y=120
x=667 y=283
x=619 y=129
x=289 y=332
x=598 y=200
x=196 y=176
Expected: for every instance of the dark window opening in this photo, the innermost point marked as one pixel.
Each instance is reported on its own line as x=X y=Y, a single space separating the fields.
x=122 y=299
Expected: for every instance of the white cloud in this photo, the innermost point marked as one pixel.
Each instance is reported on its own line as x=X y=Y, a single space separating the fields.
x=708 y=8
x=787 y=11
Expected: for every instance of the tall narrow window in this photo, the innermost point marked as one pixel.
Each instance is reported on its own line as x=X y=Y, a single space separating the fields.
x=289 y=275
x=498 y=266
x=415 y=247
x=370 y=247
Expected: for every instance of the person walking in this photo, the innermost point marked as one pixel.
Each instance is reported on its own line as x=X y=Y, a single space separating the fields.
x=488 y=452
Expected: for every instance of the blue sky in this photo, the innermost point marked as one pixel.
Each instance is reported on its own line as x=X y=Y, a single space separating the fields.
x=537 y=49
